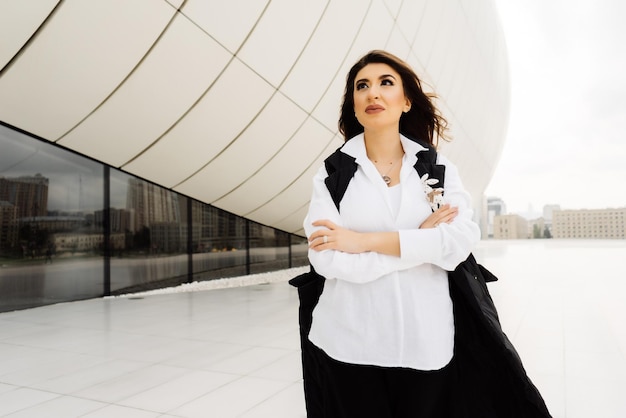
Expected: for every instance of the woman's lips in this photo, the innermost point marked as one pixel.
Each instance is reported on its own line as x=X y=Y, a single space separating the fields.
x=374 y=109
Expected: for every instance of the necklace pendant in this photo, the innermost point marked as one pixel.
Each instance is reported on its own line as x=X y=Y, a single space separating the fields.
x=387 y=180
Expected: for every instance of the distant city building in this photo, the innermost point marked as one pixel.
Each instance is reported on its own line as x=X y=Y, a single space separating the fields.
x=590 y=223
x=548 y=211
x=495 y=207
x=510 y=227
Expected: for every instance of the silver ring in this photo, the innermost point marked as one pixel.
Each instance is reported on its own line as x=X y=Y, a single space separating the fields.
x=325 y=239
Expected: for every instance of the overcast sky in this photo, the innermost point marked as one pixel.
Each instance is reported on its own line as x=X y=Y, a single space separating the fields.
x=566 y=142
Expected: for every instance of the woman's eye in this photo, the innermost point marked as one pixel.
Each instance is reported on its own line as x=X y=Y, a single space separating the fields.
x=386 y=82
x=361 y=86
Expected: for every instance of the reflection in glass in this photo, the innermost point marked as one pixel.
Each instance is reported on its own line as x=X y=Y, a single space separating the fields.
x=299 y=251
x=59 y=243
x=218 y=243
x=148 y=235
x=50 y=244
x=269 y=249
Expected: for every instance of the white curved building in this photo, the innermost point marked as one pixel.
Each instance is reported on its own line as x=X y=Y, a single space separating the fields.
x=235 y=103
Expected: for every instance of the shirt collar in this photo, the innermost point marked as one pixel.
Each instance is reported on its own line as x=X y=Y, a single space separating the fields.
x=355 y=147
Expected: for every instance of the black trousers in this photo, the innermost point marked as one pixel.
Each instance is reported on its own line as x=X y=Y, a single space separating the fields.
x=351 y=391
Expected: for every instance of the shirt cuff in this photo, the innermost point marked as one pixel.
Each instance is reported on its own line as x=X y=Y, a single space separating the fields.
x=419 y=246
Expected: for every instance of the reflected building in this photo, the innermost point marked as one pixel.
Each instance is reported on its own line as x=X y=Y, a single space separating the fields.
x=156 y=211
x=29 y=194
x=220 y=231
x=8 y=226
x=150 y=204
x=121 y=220
x=24 y=226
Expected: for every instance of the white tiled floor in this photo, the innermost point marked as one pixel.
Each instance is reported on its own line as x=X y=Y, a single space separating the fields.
x=235 y=352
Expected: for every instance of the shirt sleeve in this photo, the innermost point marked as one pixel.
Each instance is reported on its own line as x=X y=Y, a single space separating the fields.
x=333 y=264
x=447 y=245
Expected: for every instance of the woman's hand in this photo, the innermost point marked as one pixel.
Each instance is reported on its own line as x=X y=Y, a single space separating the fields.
x=334 y=237
x=445 y=214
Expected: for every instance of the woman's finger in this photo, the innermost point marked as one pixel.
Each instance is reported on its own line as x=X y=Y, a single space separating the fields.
x=324 y=222
x=319 y=242
x=318 y=235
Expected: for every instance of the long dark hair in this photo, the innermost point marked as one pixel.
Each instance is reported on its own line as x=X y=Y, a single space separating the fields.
x=422 y=123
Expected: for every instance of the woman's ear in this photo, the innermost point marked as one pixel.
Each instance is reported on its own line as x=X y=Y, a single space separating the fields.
x=407 y=106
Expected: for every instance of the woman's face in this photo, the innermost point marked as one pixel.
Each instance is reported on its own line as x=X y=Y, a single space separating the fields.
x=379 y=98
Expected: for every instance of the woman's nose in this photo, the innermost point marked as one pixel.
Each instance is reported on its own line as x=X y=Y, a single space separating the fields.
x=373 y=93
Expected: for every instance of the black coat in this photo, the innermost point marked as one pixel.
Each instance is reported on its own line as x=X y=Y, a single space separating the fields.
x=492 y=382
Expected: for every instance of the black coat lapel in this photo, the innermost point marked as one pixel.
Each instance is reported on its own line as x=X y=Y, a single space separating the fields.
x=427 y=164
x=341 y=168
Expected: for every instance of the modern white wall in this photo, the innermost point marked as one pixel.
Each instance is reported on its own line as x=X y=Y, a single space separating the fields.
x=235 y=103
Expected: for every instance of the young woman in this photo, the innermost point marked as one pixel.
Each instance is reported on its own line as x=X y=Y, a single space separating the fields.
x=399 y=331
x=384 y=322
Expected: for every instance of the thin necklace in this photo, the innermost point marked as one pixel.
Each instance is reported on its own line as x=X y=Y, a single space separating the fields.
x=385 y=176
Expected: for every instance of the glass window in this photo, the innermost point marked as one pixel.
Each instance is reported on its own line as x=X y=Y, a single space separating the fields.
x=53 y=239
x=50 y=242
x=299 y=251
x=148 y=235
x=269 y=249
x=218 y=243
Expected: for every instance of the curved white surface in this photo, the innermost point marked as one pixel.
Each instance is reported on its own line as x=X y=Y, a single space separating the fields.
x=236 y=103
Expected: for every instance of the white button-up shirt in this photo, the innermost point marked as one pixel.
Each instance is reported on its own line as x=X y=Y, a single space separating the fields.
x=384 y=310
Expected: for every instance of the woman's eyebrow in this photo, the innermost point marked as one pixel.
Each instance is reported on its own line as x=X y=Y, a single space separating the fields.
x=365 y=80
